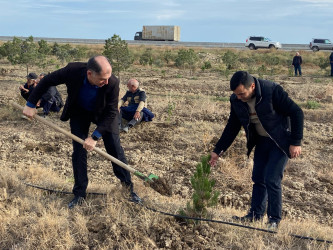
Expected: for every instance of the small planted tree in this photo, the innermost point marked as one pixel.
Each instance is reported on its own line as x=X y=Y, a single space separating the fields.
x=204 y=196
x=116 y=50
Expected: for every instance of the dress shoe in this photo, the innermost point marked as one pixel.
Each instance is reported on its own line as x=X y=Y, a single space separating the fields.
x=250 y=217
x=78 y=200
x=135 y=198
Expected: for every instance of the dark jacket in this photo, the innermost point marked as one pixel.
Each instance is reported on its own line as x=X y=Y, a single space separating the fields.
x=331 y=58
x=105 y=114
x=297 y=60
x=134 y=98
x=51 y=93
x=24 y=94
x=281 y=118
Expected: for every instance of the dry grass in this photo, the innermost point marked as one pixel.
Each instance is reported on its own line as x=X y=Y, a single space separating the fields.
x=191 y=112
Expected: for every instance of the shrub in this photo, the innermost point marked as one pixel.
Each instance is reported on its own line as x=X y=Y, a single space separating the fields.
x=168 y=56
x=206 y=65
x=312 y=105
x=230 y=59
x=147 y=57
x=116 y=50
x=187 y=59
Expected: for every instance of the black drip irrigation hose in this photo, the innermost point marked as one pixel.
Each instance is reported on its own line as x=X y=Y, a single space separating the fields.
x=58 y=191
x=190 y=218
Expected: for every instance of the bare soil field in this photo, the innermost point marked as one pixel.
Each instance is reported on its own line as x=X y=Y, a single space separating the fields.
x=191 y=112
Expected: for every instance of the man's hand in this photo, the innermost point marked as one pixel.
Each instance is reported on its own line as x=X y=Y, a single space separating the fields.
x=89 y=144
x=295 y=151
x=29 y=112
x=136 y=115
x=213 y=159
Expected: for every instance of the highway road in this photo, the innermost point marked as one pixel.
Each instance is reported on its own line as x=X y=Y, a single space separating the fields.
x=156 y=43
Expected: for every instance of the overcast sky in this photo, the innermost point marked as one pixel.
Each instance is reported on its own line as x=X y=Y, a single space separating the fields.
x=287 y=21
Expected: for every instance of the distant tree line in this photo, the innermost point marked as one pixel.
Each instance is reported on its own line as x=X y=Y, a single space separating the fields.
x=30 y=53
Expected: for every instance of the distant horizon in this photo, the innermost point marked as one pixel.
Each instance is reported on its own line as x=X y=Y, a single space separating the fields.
x=97 y=39
x=226 y=21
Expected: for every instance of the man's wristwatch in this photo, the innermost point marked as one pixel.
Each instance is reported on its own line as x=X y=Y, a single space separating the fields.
x=95 y=138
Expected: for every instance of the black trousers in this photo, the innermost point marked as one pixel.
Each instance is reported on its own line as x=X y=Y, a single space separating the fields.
x=80 y=127
x=268 y=168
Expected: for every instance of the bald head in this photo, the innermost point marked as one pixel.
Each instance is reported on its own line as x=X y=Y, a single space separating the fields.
x=99 y=70
x=132 y=85
x=99 y=64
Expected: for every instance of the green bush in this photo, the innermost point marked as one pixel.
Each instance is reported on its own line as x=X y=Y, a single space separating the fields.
x=147 y=57
x=312 y=105
x=206 y=65
x=116 y=50
x=230 y=59
x=187 y=59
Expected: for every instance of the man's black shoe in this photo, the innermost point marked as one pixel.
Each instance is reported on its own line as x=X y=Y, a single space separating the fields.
x=251 y=217
x=135 y=198
x=78 y=200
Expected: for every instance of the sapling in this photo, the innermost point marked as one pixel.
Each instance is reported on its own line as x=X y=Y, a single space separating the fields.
x=204 y=196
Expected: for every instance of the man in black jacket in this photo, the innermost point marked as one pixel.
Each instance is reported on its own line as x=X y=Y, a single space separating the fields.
x=93 y=93
x=297 y=62
x=273 y=124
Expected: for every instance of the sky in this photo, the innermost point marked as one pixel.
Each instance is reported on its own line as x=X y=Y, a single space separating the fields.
x=286 y=21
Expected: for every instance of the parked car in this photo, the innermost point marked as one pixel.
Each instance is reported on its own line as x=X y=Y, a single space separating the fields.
x=255 y=42
x=320 y=44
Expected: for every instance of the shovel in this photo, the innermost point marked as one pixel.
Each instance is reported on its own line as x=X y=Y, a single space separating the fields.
x=150 y=178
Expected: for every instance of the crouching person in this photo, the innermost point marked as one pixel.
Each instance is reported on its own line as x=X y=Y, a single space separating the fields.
x=136 y=110
x=51 y=101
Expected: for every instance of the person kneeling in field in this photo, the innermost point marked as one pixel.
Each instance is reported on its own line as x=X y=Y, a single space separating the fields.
x=29 y=86
x=51 y=100
x=135 y=111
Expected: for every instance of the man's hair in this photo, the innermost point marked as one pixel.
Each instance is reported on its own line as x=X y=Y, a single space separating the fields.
x=241 y=77
x=93 y=65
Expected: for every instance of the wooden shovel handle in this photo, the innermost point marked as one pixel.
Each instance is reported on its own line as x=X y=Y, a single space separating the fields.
x=79 y=140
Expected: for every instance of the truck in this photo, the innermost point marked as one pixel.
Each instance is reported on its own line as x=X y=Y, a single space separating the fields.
x=158 y=33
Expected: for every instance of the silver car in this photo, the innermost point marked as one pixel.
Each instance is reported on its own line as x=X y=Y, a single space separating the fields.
x=255 y=42
x=320 y=44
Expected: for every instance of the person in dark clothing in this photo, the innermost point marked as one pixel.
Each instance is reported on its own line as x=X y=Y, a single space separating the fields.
x=297 y=62
x=136 y=110
x=93 y=93
x=50 y=101
x=273 y=124
x=331 y=61
x=27 y=88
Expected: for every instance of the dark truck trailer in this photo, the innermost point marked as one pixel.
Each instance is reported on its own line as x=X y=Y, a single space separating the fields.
x=158 y=33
